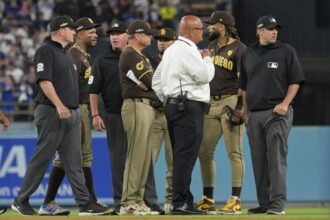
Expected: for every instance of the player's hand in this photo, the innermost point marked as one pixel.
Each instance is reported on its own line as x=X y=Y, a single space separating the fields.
x=98 y=123
x=281 y=109
x=63 y=112
x=246 y=117
x=143 y=87
x=205 y=53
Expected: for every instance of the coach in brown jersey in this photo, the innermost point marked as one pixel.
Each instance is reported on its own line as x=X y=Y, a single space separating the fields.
x=138 y=115
x=226 y=50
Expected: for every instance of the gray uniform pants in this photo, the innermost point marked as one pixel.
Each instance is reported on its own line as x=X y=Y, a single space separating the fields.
x=268 y=137
x=63 y=136
x=117 y=144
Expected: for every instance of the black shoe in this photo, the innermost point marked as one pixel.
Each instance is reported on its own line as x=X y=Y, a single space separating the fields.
x=23 y=208
x=156 y=208
x=3 y=210
x=186 y=210
x=93 y=209
x=258 y=210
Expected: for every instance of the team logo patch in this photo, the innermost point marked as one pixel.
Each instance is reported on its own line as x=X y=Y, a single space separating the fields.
x=139 y=66
x=40 y=67
x=90 y=79
x=229 y=52
x=87 y=72
x=272 y=65
x=162 y=32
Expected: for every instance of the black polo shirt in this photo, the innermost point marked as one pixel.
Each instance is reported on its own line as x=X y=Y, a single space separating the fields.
x=267 y=72
x=54 y=63
x=104 y=79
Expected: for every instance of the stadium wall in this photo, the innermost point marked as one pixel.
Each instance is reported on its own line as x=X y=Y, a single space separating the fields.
x=308 y=164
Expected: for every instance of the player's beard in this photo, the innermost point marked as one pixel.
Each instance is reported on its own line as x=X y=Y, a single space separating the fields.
x=213 y=36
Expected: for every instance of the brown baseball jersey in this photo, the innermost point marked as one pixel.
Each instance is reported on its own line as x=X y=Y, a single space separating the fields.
x=227 y=63
x=82 y=60
x=132 y=60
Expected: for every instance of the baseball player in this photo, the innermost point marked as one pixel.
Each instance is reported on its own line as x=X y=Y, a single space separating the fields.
x=226 y=50
x=165 y=37
x=138 y=114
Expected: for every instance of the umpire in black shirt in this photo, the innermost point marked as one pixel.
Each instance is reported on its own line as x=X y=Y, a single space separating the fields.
x=270 y=78
x=104 y=80
x=57 y=119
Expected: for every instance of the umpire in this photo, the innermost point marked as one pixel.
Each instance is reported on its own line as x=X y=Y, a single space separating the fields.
x=104 y=80
x=85 y=38
x=270 y=78
x=57 y=118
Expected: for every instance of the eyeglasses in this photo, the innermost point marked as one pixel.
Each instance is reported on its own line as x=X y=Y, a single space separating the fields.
x=200 y=29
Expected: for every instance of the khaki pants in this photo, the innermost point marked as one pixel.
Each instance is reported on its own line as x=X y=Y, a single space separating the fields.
x=138 y=118
x=216 y=125
x=159 y=133
x=86 y=139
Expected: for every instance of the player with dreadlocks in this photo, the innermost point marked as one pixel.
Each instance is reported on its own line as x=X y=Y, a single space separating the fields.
x=226 y=51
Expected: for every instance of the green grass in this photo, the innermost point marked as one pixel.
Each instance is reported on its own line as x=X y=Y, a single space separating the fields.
x=291 y=213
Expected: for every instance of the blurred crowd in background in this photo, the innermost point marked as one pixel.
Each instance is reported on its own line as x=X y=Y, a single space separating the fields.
x=23 y=28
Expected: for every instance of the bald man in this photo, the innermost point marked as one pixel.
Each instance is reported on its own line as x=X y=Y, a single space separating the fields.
x=182 y=82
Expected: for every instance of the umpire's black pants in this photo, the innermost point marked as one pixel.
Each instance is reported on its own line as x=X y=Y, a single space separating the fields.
x=186 y=131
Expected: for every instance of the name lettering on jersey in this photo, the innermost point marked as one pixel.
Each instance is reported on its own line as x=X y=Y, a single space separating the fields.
x=272 y=65
x=223 y=62
x=90 y=80
x=40 y=67
x=139 y=66
x=87 y=72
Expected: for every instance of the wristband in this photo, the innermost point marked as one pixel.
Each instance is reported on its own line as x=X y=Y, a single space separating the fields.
x=95 y=115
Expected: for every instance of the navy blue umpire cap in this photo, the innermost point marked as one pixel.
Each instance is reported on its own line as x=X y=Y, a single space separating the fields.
x=117 y=26
x=267 y=21
x=61 y=21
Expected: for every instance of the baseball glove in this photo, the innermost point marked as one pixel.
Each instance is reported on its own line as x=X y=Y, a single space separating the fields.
x=235 y=116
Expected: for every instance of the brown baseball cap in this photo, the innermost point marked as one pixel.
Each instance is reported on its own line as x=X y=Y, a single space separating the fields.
x=85 y=23
x=117 y=26
x=139 y=26
x=61 y=21
x=166 y=33
x=222 y=17
x=267 y=21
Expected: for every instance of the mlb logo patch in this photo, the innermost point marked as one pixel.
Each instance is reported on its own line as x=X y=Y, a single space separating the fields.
x=272 y=65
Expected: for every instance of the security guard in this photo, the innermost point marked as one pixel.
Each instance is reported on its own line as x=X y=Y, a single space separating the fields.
x=86 y=37
x=270 y=78
x=165 y=37
x=57 y=118
x=138 y=115
x=226 y=51
x=182 y=81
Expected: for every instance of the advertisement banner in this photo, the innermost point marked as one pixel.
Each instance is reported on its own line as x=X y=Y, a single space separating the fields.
x=15 y=153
